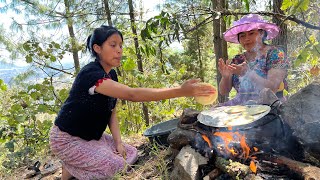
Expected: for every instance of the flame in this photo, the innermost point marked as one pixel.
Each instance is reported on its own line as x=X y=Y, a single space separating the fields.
x=225 y=147
x=206 y=139
x=245 y=147
x=228 y=137
x=253 y=167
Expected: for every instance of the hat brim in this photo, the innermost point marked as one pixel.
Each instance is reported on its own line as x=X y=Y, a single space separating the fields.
x=231 y=35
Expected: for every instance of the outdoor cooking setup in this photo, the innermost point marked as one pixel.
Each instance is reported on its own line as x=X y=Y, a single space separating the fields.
x=252 y=136
x=267 y=139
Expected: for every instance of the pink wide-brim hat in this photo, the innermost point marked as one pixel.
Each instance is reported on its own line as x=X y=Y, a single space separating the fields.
x=248 y=23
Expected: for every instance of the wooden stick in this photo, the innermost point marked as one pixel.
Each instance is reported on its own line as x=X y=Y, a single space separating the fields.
x=306 y=171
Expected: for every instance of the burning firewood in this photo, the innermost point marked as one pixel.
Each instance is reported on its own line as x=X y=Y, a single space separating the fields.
x=234 y=169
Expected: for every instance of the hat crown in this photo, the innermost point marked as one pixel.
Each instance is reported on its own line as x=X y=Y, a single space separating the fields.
x=250 y=18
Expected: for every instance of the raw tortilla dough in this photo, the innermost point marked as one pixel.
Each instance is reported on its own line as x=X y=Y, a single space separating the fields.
x=206 y=100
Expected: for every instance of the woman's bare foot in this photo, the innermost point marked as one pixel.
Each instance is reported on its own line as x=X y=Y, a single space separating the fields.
x=65 y=174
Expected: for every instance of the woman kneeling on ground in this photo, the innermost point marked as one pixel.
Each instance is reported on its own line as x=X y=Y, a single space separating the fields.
x=77 y=137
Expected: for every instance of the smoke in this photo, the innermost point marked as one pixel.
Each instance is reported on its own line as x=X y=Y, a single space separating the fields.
x=247 y=85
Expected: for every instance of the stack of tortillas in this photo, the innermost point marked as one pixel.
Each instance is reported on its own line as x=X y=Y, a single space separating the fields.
x=236 y=109
x=254 y=110
x=247 y=110
x=206 y=100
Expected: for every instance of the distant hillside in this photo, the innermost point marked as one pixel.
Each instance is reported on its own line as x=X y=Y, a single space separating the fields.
x=9 y=71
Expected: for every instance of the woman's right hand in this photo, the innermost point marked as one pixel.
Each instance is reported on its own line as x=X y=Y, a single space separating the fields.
x=223 y=68
x=194 y=88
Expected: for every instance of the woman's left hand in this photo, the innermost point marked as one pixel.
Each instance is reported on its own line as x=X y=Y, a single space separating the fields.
x=121 y=150
x=238 y=69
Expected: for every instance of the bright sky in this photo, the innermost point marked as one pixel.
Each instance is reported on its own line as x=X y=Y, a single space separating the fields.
x=6 y=19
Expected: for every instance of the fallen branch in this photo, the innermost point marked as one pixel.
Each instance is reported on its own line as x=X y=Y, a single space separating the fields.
x=306 y=171
x=234 y=169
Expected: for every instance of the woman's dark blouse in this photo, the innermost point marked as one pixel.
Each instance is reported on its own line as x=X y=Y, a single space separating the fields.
x=82 y=114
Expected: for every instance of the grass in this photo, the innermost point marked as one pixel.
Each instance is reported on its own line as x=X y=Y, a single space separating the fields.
x=154 y=162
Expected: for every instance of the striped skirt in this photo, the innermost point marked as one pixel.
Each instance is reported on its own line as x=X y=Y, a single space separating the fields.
x=90 y=159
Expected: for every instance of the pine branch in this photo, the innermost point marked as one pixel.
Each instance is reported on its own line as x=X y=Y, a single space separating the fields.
x=278 y=15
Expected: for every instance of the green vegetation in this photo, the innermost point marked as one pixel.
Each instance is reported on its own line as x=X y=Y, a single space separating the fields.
x=55 y=31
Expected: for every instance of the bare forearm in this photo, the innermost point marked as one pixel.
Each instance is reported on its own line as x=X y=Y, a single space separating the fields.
x=225 y=85
x=150 y=94
x=114 y=128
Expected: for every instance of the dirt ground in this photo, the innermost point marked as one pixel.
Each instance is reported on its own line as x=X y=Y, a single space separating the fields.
x=154 y=162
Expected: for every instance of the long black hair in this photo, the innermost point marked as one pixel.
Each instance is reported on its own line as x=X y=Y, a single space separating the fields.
x=99 y=36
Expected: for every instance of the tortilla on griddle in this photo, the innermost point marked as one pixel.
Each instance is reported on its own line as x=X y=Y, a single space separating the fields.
x=236 y=109
x=239 y=120
x=255 y=110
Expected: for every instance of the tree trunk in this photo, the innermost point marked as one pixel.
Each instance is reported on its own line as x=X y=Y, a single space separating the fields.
x=217 y=41
x=108 y=14
x=107 y=11
x=200 y=58
x=198 y=40
x=72 y=36
x=281 y=39
x=139 y=57
x=224 y=48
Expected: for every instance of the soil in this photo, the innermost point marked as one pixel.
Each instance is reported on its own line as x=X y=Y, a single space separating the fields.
x=154 y=162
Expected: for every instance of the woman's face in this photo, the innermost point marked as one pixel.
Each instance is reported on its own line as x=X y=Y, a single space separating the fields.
x=110 y=53
x=250 y=39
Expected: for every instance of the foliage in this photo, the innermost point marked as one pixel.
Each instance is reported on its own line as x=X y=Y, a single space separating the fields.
x=187 y=23
x=22 y=132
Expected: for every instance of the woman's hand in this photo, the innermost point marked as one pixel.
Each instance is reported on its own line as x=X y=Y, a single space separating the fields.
x=223 y=68
x=194 y=88
x=121 y=150
x=238 y=69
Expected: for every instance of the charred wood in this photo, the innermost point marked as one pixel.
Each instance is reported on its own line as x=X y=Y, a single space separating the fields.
x=304 y=170
x=235 y=170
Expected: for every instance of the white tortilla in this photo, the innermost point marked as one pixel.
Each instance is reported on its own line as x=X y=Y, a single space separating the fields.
x=206 y=100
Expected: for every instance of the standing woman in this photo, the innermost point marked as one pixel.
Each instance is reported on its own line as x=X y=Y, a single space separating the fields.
x=77 y=137
x=260 y=66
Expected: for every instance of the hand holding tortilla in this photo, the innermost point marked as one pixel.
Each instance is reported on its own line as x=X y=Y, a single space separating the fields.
x=206 y=100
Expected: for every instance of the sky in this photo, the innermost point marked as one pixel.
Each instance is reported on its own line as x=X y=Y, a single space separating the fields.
x=6 y=19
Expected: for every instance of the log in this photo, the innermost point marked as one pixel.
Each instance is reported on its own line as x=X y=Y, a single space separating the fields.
x=304 y=170
x=235 y=170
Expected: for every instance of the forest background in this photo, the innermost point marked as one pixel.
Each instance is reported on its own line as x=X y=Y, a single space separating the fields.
x=182 y=41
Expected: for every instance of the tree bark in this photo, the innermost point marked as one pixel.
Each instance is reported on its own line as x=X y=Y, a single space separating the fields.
x=107 y=11
x=281 y=39
x=74 y=48
x=198 y=40
x=234 y=169
x=108 y=14
x=306 y=171
x=139 y=57
x=218 y=42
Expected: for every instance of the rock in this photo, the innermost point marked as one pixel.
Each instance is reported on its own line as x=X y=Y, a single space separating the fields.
x=267 y=96
x=180 y=137
x=186 y=164
x=189 y=116
x=302 y=114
